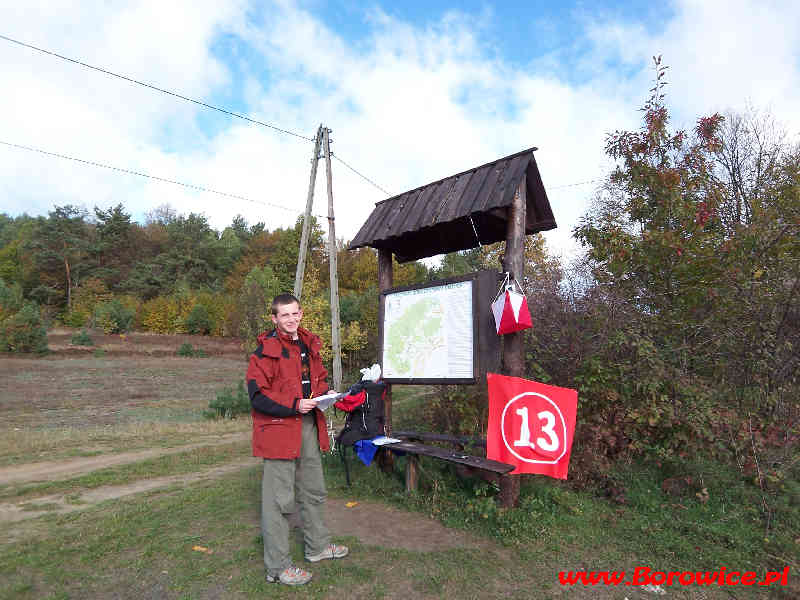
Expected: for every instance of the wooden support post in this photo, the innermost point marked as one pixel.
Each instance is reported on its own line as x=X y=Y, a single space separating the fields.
x=385 y=281
x=301 y=259
x=513 y=352
x=513 y=349
x=332 y=260
x=412 y=472
x=509 y=491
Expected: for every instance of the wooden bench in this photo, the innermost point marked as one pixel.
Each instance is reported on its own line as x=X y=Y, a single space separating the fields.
x=455 y=440
x=490 y=470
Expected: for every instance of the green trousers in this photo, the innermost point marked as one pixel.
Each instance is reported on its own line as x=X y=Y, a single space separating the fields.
x=287 y=485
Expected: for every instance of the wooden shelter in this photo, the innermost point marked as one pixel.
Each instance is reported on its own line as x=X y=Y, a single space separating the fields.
x=501 y=200
x=456 y=212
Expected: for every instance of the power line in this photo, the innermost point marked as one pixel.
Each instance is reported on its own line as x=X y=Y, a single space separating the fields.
x=211 y=107
x=153 y=87
x=186 y=98
x=364 y=177
x=558 y=187
x=154 y=177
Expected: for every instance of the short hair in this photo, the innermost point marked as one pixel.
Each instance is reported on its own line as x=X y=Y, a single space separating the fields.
x=283 y=300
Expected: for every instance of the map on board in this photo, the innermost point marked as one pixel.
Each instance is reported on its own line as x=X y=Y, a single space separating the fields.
x=427 y=333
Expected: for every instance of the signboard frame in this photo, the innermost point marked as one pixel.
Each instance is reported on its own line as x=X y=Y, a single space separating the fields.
x=485 y=341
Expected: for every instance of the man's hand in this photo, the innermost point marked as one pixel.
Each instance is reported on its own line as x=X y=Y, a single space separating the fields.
x=305 y=405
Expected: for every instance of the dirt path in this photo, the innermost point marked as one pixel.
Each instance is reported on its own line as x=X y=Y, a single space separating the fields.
x=398 y=530
x=59 y=503
x=64 y=469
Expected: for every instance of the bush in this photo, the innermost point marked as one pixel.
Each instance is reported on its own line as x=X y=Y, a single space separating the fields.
x=10 y=299
x=85 y=298
x=81 y=339
x=199 y=321
x=113 y=317
x=24 y=331
x=187 y=349
x=75 y=318
x=167 y=314
x=229 y=404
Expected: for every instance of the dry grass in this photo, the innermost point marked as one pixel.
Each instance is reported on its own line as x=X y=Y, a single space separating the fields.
x=78 y=404
x=18 y=445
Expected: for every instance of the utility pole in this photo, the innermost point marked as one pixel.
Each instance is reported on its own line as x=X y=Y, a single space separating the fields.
x=301 y=259
x=332 y=260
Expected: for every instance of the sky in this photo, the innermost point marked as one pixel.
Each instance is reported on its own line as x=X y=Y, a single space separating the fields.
x=412 y=91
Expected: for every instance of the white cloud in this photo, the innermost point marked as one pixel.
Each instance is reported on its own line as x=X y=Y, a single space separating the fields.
x=408 y=103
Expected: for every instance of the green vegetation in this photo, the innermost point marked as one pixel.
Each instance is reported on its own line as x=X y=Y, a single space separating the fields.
x=114 y=316
x=229 y=403
x=23 y=331
x=186 y=349
x=199 y=320
x=81 y=339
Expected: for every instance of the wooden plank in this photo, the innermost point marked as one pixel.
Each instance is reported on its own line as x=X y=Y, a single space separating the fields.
x=489 y=343
x=450 y=456
x=425 y=436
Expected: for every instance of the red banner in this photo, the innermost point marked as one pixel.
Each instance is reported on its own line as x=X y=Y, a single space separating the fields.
x=531 y=425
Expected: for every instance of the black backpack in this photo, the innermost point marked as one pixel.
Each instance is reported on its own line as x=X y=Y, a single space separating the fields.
x=366 y=420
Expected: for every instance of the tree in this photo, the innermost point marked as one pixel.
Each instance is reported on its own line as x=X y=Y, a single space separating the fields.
x=112 y=248
x=696 y=266
x=59 y=244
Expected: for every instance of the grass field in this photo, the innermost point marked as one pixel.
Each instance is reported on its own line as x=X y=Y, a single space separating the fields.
x=110 y=479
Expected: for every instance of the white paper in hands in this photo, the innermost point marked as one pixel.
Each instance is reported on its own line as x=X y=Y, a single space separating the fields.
x=324 y=401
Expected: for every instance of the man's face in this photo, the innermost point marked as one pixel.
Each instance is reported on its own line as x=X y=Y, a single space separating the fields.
x=288 y=319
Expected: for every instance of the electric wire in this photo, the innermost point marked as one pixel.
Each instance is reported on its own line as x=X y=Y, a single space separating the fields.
x=222 y=110
x=364 y=177
x=156 y=88
x=154 y=177
x=566 y=185
x=186 y=98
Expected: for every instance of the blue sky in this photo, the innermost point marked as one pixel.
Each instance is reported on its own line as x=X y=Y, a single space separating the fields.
x=413 y=92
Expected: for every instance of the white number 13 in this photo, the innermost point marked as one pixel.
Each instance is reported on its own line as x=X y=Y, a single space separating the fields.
x=550 y=445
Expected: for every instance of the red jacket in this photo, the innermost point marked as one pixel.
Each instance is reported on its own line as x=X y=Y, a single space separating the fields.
x=273 y=382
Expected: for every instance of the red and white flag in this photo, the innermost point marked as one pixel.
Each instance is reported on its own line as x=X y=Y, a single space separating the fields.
x=511 y=312
x=531 y=425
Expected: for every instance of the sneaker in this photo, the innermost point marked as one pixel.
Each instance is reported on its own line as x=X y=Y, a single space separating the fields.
x=332 y=551
x=290 y=576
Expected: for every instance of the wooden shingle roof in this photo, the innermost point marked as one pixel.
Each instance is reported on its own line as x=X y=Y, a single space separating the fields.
x=435 y=218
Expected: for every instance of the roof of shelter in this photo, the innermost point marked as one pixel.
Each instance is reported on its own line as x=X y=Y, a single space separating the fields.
x=447 y=215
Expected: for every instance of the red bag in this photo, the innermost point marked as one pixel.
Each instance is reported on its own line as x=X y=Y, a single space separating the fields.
x=510 y=308
x=531 y=425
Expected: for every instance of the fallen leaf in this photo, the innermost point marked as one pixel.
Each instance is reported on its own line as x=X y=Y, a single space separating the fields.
x=202 y=549
x=351 y=504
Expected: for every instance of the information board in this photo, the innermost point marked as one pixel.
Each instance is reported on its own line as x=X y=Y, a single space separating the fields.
x=428 y=333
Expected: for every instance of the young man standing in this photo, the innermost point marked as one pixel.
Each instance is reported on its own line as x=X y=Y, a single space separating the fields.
x=284 y=376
